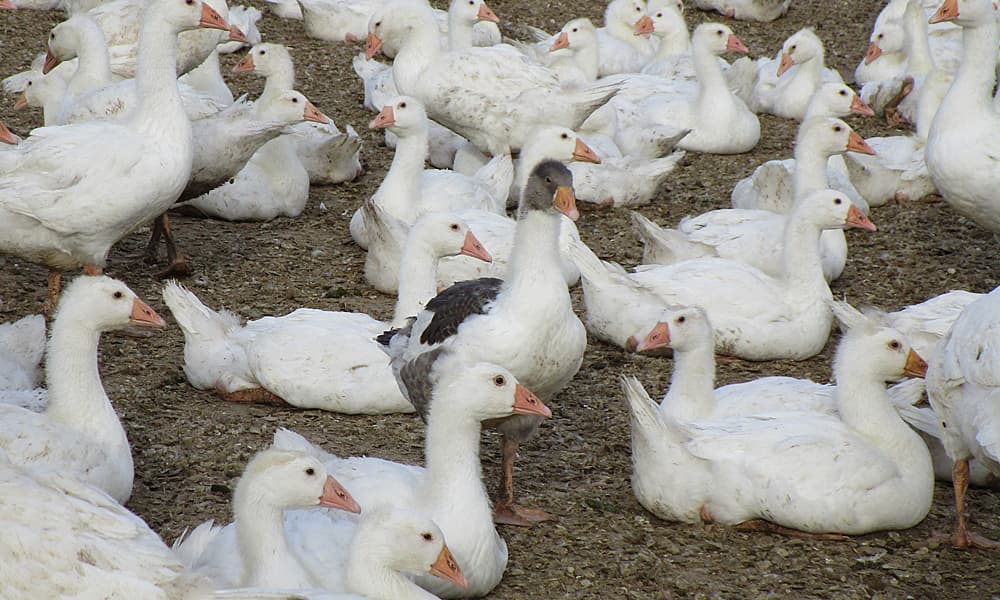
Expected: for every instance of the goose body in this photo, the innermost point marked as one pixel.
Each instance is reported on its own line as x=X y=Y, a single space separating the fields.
x=747 y=10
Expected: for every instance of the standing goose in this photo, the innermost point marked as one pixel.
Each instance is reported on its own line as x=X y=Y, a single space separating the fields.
x=525 y=323
x=60 y=207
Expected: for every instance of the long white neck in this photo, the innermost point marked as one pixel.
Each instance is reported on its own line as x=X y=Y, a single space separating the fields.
x=417 y=278
x=918 y=48
x=676 y=41
x=808 y=71
x=93 y=69
x=418 y=51
x=692 y=385
x=534 y=270
x=972 y=90
x=588 y=59
x=626 y=33
x=399 y=193
x=803 y=271
x=712 y=88
x=459 y=32
x=810 y=168
x=279 y=79
x=260 y=533
x=159 y=102
x=369 y=573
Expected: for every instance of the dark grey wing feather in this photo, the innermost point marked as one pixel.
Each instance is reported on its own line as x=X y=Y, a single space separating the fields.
x=455 y=304
x=385 y=338
x=416 y=376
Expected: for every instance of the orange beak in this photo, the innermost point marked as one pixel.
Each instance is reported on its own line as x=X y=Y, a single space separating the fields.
x=235 y=35
x=372 y=46
x=644 y=26
x=561 y=42
x=859 y=107
x=384 y=119
x=915 y=365
x=311 y=113
x=785 y=64
x=211 y=19
x=335 y=496
x=856 y=143
x=583 y=153
x=565 y=202
x=526 y=403
x=245 y=65
x=735 y=44
x=873 y=52
x=144 y=316
x=7 y=136
x=658 y=337
x=51 y=62
x=446 y=567
x=474 y=248
x=486 y=14
x=856 y=218
x=22 y=102
x=948 y=11
x=7 y=4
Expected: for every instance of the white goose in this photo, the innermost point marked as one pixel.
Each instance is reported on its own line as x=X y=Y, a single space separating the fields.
x=39 y=91
x=885 y=57
x=623 y=43
x=22 y=344
x=747 y=10
x=312 y=358
x=783 y=86
x=61 y=208
x=452 y=84
x=959 y=152
x=80 y=38
x=572 y=52
x=673 y=54
x=778 y=471
x=787 y=316
x=79 y=431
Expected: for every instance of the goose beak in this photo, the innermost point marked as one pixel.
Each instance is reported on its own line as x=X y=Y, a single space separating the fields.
x=335 y=496
x=915 y=365
x=210 y=19
x=446 y=567
x=856 y=218
x=658 y=337
x=311 y=113
x=372 y=46
x=144 y=316
x=7 y=4
x=948 y=11
x=474 y=248
x=561 y=42
x=565 y=202
x=873 y=52
x=856 y=143
x=735 y=44
x=245 y=65
x=644 y=26
x=526 y=403
x=7 y=136
x=22 y=102
x=859 y=107
x=51 y=62
x=785 y=64
x=384 y=119
x=583 y=153
x=486 y=14
x=235 y=35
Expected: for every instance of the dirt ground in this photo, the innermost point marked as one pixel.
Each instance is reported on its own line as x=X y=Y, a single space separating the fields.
x=190 y=447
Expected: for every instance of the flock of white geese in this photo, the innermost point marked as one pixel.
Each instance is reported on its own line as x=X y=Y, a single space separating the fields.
x=484 y=331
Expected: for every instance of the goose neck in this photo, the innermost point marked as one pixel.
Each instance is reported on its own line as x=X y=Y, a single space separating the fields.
x=459 y=32
x=156 y=72
x=417 y=278
x=711 y=79
x=673 y=43
x=971 y=92
x=919 y=59
x=369 y=573
x=454 y=475
x=810 y=169
x=279 y=80
x=267 y=559
x=803 y=265
x=94 y=66
x=534 y=270
x=399 y=193
x=692 y=384
x=421 y=49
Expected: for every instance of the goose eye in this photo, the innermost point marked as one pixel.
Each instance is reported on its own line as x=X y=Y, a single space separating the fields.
x=564 y=136
x=843 y=92
x=52 y=36
x=719 y=33
x=117 y=295
x=837 y=128
x=295 y=100
x=263 y=52
x=880 y=35
x=792 y=48
x=428 y=536
x=659 y=15
x=680 y=319
x=454 y=227
x=838 y=201
x=895 y=345
x=402 y=105
x=575 y=29
x=499 y=381
x=378 y=23
x=548 y=180
x=189 y=2
x=310 y=471
x=31 y=83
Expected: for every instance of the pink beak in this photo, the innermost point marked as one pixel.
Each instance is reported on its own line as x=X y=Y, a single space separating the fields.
x=386 y=118
x=486 y=14
x=735 y=44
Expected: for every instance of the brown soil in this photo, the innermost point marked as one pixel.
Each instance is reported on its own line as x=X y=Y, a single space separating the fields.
x=190 y=447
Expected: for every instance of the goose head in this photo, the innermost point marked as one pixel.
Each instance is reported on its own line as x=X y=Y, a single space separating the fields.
x=100 y=303
x=403 y=115
x=7 y=136
x=184 y=15
x=628 y=16
x=265 y=59
x=556 y=143
x=717 y=39
x=803 y=46
x=407 y=542
x=65 y=40
x=886 y=37
x=395 y=22
x=550 y=189
x=831 y=209
x=481 y=391
x=965 y=12
x=446 y=235
x=282 y=479
x=683 y=329
x=837 y=100
x=873 y=348
x=652 y=6
x=40 y=90
x=829 y=136
x=471 y=11
x=576 y=35
x=292 y=107
x=667 y=19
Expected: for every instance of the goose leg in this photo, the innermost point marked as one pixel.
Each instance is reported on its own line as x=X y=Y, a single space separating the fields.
x=963 y=538
x=253 y=395
x=179 y=265
x=768 y=527
x=52 y=293
x=153 y=246
x=505 y=510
